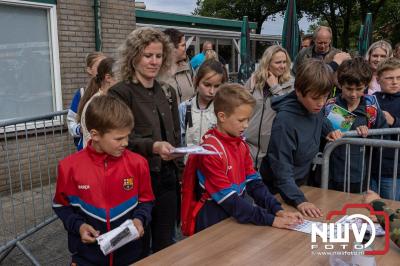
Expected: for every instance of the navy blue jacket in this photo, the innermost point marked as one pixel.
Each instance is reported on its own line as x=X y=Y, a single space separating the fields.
x=389 y=103
x=337 y=165
x=295 y=140
x=102 y=191
x=241 y=207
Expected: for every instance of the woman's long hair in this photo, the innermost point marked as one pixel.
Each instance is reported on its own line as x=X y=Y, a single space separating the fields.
x=105 y=67
x=132 y=49
x=384 y=45
x=261 y=73
x=210 y=66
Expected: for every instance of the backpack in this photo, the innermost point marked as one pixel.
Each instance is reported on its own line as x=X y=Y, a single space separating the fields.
x=190 y=204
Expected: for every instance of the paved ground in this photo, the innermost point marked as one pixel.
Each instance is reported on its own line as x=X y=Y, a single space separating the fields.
x=23 y=211
x=49 y=246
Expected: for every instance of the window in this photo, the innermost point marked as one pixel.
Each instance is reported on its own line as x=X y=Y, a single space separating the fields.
x=29 y=64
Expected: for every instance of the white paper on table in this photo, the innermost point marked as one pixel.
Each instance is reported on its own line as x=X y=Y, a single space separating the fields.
x=379 y=231
x=117 y=237
x=194 y=149
x=306 y=226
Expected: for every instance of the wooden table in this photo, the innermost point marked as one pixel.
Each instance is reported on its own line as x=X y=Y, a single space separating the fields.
x=230 y=243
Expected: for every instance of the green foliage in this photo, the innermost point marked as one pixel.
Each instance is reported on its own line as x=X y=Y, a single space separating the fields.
x=387 y=24
x=257 y=10
x=343 y=16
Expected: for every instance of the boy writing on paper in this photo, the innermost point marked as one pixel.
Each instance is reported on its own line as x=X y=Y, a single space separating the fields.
x=227 y=178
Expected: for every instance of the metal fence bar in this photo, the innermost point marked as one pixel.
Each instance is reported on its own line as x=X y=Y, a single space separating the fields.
x=10 y=182
x=362 y=168
x=348 y=168
x=20 y=178
x=369 y=168
x=30 y=173
x=5 y=253
x=55 y=160
x=27 y=253
x=352 y=141
x=346 y=165
x=48 y=174
x=2 y=218
x=24 y=207
x=380 y=167
x=28 y=233
x=395 y=166
x=15 y=121
x=374 y=132
x=39 y=162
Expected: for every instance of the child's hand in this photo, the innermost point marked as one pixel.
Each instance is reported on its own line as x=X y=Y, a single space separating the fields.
x=389 y=118
x=370 y=196
x=284 y=222
x=294 y=215
x=139 y=226
x=334 y=135
x=309 y=209
x=88 y=233
x=362 y=131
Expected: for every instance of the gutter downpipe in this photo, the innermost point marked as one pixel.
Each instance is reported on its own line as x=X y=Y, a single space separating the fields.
x=97 y=25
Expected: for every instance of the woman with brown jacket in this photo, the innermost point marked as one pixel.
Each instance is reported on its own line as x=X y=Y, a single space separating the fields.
x=143 y=56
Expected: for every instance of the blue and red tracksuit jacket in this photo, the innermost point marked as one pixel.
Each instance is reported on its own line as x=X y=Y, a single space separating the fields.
x=226 y=177
x=102 y=191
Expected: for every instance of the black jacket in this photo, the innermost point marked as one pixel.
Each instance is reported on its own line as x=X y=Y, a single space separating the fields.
x=148 y=106
x=294 y=142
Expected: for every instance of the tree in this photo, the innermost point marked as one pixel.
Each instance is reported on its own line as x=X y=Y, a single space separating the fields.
x=387 y=25
x=336 y=14
x=343 y=16
x=257 y=10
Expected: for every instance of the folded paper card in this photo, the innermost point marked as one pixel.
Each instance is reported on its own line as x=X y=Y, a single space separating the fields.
x=194 y=149
x=117 y=237
x=341 y=118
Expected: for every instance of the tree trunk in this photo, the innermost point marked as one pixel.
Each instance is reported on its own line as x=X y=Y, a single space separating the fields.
x=346 y=26
x=333 y=24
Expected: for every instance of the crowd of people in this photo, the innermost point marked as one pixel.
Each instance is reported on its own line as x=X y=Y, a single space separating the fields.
x=137 y=108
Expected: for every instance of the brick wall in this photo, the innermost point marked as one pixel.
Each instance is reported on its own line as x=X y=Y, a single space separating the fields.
x=31 y=161
x=76 y=36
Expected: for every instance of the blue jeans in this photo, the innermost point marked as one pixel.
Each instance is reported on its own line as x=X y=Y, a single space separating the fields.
x=386 y=187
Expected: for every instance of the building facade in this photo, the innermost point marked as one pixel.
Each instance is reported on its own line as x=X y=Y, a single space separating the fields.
x=42 y=64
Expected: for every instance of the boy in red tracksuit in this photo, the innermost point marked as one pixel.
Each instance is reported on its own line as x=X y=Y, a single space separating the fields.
x=227 y=178
x=102 y=186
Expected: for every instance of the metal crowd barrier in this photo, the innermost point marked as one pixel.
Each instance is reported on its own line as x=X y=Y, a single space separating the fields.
x=30 y=150
x=377 y=139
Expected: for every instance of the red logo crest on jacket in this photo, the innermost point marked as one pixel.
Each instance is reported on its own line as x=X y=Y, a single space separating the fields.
x=128 y=183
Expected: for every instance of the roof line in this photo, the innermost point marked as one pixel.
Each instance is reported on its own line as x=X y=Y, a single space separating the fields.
x=168 y=16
